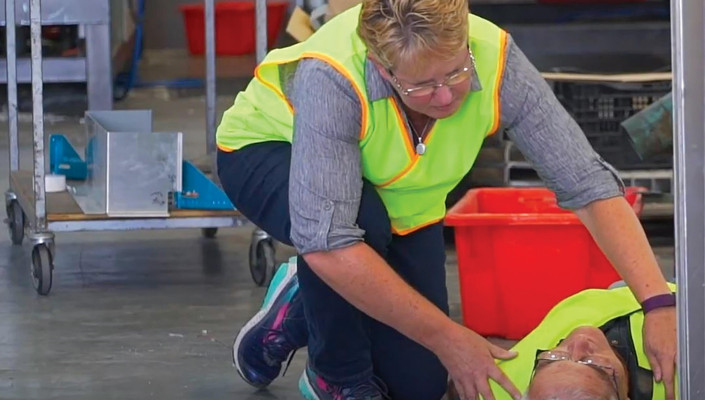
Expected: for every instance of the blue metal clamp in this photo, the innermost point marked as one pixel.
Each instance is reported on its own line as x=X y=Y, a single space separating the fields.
x=64 y=160
x=199 y=192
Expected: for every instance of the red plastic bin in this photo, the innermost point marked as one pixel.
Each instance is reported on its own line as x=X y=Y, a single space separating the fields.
x=519 y=254
x=234 y=26
x=590 y=1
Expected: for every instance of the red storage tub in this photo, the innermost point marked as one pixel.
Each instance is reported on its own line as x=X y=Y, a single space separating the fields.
x=234 y=26
x=590 y=1
x=519 y=254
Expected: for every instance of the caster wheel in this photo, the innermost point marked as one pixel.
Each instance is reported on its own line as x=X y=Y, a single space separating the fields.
x=209 y=233
x=15 y=222
x=262 y=261
x=42 y=269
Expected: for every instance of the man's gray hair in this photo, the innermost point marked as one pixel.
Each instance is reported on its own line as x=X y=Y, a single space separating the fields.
x=575 y=393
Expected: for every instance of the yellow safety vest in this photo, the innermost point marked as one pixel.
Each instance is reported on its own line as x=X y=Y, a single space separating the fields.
x=412 y=187
x=594 y=307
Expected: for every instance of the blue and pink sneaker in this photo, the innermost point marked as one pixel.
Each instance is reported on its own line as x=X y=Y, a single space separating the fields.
x=314 y=387
x=274 y=334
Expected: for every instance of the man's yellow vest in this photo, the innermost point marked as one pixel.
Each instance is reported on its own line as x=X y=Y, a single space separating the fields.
x=412 y=187
x=595 y=307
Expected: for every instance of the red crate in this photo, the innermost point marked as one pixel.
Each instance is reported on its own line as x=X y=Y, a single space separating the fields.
x=519 y=254
x=234 y=26
x=590 y=1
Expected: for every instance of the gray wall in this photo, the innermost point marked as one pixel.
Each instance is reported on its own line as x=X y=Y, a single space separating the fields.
x=164 y=25
x=122 y=25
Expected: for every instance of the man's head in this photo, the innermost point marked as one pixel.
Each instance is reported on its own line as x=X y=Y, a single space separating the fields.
x=419 y=44
x=582 y=367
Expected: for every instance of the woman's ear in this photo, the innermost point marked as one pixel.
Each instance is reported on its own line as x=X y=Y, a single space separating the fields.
x=381 y=68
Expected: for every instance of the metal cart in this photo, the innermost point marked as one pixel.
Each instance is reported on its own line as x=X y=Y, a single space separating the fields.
x=32 y=210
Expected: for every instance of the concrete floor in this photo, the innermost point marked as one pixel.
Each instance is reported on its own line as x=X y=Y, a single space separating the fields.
x=133 y=315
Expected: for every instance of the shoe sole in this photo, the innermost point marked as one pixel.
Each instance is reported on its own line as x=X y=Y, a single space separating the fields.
x=266 y=306
x=306 y=389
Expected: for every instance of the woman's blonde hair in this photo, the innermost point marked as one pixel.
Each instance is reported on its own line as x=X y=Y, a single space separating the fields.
x=397 y=31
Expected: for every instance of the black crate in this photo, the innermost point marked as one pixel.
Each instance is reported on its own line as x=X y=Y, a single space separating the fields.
x=600 y=107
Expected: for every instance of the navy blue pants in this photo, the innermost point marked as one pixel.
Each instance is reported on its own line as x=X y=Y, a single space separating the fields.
x=345 y=345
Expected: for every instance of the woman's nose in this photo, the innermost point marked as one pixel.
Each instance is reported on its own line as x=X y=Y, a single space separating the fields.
x=442 y=96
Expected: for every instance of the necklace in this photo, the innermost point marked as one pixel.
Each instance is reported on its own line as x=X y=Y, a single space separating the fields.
x=420 y=146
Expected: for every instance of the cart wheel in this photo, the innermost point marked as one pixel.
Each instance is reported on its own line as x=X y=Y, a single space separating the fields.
x=262 y=261
x=209 y=233
x=15 y=222
x=42 y=269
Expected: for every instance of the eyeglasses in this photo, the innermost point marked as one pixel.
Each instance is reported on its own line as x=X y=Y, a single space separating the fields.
x=600 y=364
x=424 y=90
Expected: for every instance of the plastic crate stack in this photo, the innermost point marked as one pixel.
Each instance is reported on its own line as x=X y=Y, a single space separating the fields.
x=500 y=163
x=599 y=108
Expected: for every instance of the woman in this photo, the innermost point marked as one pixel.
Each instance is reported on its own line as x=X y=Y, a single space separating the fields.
x=346 y=146
x=587 y=347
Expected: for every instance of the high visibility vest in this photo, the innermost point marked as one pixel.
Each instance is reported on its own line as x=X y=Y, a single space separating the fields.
x=594 y=307
x=412 y=187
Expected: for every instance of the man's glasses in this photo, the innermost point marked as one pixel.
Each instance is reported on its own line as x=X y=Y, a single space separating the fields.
x=600 y=364
x=452 y=80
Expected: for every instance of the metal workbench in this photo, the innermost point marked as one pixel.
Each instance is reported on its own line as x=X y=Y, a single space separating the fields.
x=39 y=214
x=93 y=16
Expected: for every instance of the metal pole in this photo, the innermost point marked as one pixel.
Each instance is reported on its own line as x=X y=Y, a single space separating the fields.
x=688 y=60
x=35 y=19
x=261 y=51
x=261 y=28
x=210 y=86
x=99 y=74
x=11 y=55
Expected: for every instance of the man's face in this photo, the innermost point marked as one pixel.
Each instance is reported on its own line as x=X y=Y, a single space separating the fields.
x=590 y=364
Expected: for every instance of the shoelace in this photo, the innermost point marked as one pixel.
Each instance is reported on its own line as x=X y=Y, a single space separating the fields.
x=277 y=348
x=366 y=390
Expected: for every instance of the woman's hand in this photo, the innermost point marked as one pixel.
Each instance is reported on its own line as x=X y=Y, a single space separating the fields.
x=660 y=346
x=470 y=361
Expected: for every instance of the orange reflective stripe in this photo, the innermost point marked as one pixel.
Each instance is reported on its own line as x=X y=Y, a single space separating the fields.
x=402 y=173
x=340 y=68
x=276 y=90
x=498 y=81
x=429 y=135
x=409 y=147
x=225 y=149
x=405 y=132
x=415 y=228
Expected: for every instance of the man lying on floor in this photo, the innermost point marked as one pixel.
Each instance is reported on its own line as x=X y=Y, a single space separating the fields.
x=589 y=347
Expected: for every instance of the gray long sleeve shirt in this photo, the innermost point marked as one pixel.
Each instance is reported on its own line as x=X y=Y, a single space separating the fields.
x=326 y=175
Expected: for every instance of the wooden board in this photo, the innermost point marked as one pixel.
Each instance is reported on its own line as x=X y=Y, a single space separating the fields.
x=644 y=77
x=62 y=207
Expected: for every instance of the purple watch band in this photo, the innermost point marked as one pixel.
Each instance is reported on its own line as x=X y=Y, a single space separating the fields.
x=659 y=301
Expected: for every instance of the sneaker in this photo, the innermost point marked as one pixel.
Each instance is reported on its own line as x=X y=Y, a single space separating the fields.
x=313 y=387
x=263 y=344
